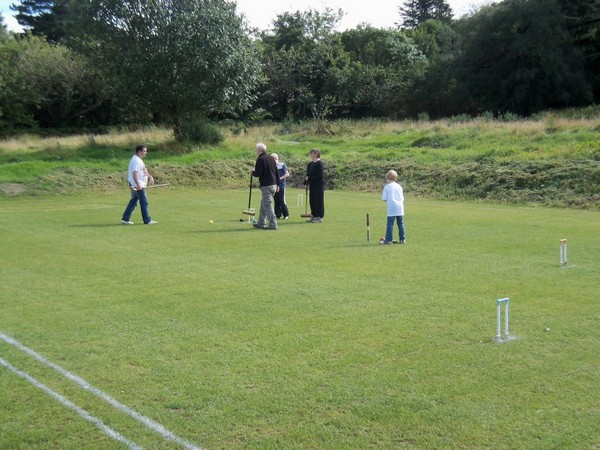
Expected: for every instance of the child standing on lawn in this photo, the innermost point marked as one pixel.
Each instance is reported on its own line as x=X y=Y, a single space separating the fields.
x=393 y=195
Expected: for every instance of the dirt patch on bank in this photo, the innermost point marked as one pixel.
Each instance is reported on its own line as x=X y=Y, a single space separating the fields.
x=12 y=189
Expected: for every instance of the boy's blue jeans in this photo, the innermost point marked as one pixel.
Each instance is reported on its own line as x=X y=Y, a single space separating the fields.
x=135 y=197
x=389 y=231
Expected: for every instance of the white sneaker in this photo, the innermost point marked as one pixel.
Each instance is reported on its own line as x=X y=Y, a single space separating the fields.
x=152 y=222
x=126 y=222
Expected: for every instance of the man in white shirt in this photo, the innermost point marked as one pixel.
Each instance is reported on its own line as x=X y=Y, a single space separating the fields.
x=138 y=178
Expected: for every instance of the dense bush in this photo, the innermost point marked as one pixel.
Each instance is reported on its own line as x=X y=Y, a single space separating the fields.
x=200 y=131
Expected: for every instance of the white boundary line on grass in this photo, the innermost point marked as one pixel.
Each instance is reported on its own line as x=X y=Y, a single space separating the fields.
x=69 y=404
x=147 y=422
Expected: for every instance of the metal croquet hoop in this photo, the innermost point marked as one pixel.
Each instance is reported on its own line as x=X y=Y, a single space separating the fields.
x=499 y=303
x=250 y=216
x=306 y=214
x=563 y=252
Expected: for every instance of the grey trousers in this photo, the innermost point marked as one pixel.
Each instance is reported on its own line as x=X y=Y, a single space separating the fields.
x=267 y=210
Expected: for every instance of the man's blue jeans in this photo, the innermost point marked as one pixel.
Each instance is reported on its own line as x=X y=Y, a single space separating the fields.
x=389 y=231
x=135 y=197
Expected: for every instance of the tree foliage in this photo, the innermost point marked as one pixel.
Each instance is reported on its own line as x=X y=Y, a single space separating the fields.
x=44 y=17
x=432 y=92
x=68 y=90
x=46 y=85
x=182 y=58
x=15 y=97
x=415 y=12
x=190 y=61
x=390 y=64
x=301 y=56
x=583 y=22
x=518 y=57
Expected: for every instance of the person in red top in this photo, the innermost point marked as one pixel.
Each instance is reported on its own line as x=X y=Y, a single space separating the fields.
x=265 y=169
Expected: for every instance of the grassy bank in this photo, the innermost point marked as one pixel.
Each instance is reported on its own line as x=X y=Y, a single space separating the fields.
x=551 y=160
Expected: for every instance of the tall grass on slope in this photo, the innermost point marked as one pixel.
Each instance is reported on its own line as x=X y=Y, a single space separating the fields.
x=552 y=161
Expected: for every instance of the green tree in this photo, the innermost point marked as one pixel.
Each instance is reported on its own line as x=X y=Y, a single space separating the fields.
x=432 y=92
x=314 y=71
x=519 y=57
x=183 y=59
x=302 y=28
x=390 y=63
x=415 y=12
x=46 y=85
x=583 y=22
x=302 y=57
x=68 y=90
x=15 y=97
x=371 y=57
x=44 y=18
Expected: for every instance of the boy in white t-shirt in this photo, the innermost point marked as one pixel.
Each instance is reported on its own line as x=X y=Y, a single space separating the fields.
x=393 y=195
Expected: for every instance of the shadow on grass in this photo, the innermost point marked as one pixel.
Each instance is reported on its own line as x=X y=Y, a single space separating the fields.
x=97 y=225
x=243 y=226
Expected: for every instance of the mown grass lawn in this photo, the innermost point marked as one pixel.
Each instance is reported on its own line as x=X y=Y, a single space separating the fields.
x=306 y=337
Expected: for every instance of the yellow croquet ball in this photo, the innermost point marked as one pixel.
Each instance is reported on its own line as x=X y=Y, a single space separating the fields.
x=210 y=222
